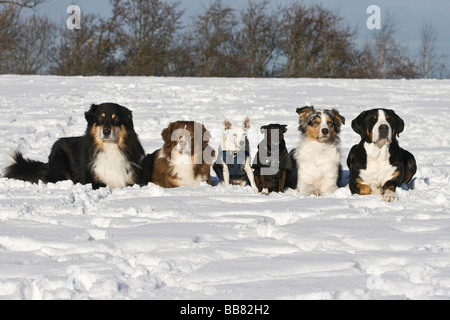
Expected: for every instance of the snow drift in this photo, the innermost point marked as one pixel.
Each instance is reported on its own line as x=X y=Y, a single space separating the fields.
x=66 y=241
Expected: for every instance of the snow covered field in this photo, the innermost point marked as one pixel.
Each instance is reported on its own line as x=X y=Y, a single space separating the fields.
x=65 y=241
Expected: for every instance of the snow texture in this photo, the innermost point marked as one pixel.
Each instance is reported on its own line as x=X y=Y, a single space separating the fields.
x=66 y=241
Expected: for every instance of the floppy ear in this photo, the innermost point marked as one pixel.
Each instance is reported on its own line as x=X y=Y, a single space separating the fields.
x=166 y=134
x=129 y=116
x=89 y=115
x=338 y=120
x=398 y=124
x=358 y=123
x=304 y=114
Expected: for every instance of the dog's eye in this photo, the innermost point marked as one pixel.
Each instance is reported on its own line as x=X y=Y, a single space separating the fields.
x=316 y=123
x=330 y=123
x=100 y=119
x=116 y=121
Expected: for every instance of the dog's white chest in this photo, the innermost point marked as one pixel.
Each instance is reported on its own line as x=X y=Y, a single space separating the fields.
x=378 y=170
x=183 y=168
x=112 y=168
x=318 y=158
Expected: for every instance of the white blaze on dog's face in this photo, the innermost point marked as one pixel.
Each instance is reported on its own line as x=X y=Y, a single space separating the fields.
x=382 y=131
x=183 y=137
x=235 y=138
x=320 y=125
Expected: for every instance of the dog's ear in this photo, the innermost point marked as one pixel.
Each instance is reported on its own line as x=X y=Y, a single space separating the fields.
x=304 y=112
x=338 y=120
x=398 y=125
x=89 y=115
x=227 y=124
x=166 y=134
x=247 y=123
x=129 y=117
x=358 y=124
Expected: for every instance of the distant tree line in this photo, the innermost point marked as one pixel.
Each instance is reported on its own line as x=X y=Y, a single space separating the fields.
x=148 y=38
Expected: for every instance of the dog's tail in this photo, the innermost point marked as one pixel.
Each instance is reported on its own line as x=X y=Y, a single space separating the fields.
x=25 y=169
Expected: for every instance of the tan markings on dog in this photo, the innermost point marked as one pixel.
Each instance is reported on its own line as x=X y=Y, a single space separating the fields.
x=370 y=134
x=113 y=116
x=395 y=174
x=392 y=188
x=408 y=176
x=332 y=129
x=122 y=137
x=364 y=189
x=305 y=113
x=95 y=133
x=174 y=182
x=313 y=132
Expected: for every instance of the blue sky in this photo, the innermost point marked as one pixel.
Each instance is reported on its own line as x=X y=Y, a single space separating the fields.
x=410 y=15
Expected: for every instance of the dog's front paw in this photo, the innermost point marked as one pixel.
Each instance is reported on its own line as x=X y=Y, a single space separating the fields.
x=389 y=196
x=265 y=191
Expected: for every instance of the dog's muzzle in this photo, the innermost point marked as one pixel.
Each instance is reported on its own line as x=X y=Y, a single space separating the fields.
x=383 y=131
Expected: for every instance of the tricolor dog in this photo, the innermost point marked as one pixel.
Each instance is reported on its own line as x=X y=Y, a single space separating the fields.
x=377 y=164
x=317 y=158
x=108 y=154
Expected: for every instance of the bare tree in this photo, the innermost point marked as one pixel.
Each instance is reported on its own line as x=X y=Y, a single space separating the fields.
x=151 y=27
x=258 y=38
x=430 y=62
x=315 y=42
x=214 y=35
x=32 y=49
x=84 y=52
x=390 y=54
x=23 y=3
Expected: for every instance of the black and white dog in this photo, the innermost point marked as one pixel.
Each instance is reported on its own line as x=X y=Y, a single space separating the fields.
x=317 y=159
x=108 y=154
x=377 y=164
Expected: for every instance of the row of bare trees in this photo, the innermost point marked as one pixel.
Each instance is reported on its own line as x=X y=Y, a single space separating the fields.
x=150 y=38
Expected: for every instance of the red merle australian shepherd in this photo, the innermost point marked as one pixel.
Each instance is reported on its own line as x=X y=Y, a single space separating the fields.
x=185 y=158
x=108 y=154
x=377 y=164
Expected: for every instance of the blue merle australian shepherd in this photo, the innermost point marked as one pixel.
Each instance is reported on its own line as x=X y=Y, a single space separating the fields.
x=108 y=153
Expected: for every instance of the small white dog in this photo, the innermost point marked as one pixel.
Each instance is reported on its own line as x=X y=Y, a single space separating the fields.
x=233 y=165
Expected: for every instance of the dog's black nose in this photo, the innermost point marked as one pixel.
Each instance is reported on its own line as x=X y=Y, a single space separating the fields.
x=384 y=131
x=325 y=131
x=106 y=131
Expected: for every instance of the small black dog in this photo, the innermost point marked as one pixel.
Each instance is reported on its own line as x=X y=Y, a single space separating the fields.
x=272 y=161
x=107 y=155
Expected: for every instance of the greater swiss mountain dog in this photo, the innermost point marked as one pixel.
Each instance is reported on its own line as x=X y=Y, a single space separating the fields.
x=377 y=164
